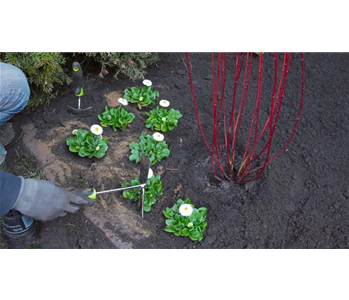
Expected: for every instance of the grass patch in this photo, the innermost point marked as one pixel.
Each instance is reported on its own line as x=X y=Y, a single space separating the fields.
x=28 y=168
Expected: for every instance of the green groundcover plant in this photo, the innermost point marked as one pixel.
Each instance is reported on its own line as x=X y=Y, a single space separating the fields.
x=45 y=70
x=163 y=119
x=153 y=190
x=155 y=150
x=144 y=96
x=183 y=219
x=86 y=143
x=116 y=118
x=129 y=64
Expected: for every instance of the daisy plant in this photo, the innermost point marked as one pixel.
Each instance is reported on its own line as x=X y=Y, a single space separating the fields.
x=116 y=117
x=144 y=96
x=163 y=119
x=152 y=146
x=183 y=219
x=153 y=190
x=88 y=143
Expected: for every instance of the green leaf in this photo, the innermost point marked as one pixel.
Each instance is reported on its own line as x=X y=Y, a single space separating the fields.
x=187 y=201
x=165 y=152
x=134 y=145
x=81 y=135
x=168 y=212
x=169 y=222
x=180 y=202
x=71 y=140
x=73 y=149
x=99 y=154
x=135 y=155
x=195 y=234
x=175 y=208
x=202 y=226
x=169 y=229
x=185 y=232
x=103 y=147
x=82 y=152
x=90 y=140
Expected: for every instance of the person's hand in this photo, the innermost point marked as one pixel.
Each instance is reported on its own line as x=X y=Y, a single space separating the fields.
x=44 y=200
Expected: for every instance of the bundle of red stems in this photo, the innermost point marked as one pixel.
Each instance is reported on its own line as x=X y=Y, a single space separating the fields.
x=223 y=156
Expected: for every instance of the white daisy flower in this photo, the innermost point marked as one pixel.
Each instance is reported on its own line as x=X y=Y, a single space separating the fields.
x=150 y=173
x=185 y=210
x=123 y=101
x=158 y=136
x=164 y=103
x=96 y=129
x=75 y=131
x=147 y=82
x=163 y=119
x=190 y=224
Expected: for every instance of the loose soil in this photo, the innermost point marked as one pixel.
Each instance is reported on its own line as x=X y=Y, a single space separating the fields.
x=301 y=201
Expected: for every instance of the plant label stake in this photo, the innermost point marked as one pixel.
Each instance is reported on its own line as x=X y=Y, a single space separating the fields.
x=143 y=177
x=78 y=89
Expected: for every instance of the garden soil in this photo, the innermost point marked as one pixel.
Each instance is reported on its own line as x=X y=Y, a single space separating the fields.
x=300 y=201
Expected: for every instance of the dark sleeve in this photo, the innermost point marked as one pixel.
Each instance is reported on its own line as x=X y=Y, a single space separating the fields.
x=9 y=189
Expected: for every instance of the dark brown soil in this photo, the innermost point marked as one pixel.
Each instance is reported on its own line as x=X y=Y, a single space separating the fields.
x=301 y=201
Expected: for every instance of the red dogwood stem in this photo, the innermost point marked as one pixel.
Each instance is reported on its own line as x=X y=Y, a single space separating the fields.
x=231 y=129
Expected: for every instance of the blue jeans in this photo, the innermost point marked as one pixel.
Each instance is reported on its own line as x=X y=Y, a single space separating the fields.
x=14 y=91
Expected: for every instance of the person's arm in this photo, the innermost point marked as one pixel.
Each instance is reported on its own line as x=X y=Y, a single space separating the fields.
x=39 y=199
